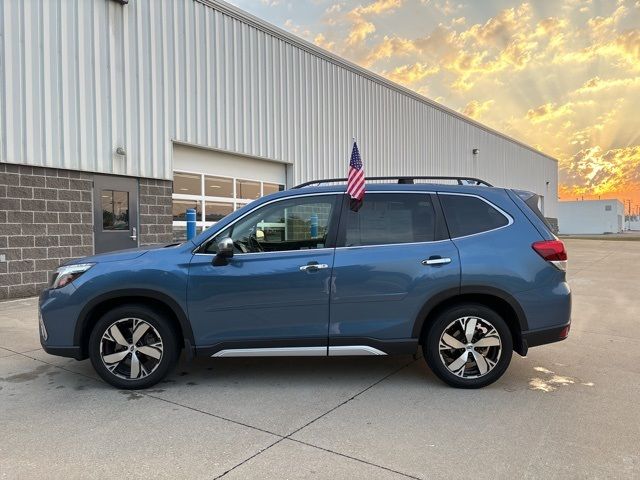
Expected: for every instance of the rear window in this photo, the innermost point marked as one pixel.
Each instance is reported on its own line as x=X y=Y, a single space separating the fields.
x=387 y=218
x=468 y=215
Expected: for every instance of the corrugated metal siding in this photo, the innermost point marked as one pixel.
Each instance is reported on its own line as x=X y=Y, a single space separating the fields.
x=79 y=78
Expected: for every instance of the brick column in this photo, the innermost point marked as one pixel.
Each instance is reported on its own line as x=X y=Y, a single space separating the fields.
x=156 y=218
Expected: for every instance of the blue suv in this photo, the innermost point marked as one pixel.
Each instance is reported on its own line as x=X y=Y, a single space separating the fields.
x=466 y=271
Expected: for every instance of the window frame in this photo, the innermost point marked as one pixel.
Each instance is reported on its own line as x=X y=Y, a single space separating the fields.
x=332 y=225
x=440 y=234
x=236 y=202
x=491 y=204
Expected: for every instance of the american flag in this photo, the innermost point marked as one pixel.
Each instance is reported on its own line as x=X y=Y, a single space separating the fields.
x=355 y=182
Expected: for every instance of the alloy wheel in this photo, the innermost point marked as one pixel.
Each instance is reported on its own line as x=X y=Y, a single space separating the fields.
x=470 y=347
x=131 y=348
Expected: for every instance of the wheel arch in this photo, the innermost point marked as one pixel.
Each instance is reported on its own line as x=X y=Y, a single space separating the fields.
x=499 y=300
x=94 y=309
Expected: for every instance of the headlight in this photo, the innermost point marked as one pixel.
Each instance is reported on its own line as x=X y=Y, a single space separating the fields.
x=67 y=274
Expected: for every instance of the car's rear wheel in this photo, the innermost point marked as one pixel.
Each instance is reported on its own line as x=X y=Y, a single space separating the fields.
x=468 y=346
x=133 y=347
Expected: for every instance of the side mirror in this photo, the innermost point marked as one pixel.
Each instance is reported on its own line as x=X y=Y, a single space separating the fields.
x=225 y=247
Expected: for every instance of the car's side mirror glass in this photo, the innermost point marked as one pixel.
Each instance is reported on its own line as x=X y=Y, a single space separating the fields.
x=225 y=247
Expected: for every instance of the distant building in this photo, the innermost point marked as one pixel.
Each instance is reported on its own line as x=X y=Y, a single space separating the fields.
x=591 y=217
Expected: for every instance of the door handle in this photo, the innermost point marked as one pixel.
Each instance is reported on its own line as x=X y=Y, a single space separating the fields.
x=313 y=266
x=436 y=260
x=134 y=234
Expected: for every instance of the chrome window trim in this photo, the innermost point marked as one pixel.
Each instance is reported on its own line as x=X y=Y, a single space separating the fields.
x=272 y=253
x=340 y=192
x=419 y=192
x=491 y=204
x=392 y=244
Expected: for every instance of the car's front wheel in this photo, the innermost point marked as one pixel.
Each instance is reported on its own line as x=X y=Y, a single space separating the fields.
x=133 y=347
x=468 y=346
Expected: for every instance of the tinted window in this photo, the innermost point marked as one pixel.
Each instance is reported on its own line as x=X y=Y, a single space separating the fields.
x=386 y=218
x=294 y=224
x=469 y=215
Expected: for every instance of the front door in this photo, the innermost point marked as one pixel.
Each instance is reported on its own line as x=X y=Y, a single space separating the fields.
x=392 y=256
x=115 y=213
x=273 y=294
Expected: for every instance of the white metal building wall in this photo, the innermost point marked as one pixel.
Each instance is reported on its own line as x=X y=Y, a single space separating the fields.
x=591 y=217
x=79 y=78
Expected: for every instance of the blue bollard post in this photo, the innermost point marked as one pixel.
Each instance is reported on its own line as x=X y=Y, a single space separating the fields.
x=191 y=223
x=314 y=225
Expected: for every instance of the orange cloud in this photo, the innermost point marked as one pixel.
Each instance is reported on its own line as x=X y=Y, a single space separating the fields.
x=390 y=47
x=475 y=109
x=549 y=111
x=361 y=28
x=592 y=171
x=408 y=74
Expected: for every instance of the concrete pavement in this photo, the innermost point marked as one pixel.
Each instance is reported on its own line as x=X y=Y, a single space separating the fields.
x=568 y=410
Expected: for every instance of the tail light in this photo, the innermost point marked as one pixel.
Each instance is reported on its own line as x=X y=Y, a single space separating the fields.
x=552 y=251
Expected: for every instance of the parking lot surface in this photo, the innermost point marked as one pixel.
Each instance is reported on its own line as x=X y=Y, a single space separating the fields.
x=567 y=410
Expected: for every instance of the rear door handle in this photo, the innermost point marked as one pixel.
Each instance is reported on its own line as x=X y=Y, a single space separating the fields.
x=313 y=266
x=436 y=260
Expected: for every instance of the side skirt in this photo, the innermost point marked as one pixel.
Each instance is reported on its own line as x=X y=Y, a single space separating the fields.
x=346 y=350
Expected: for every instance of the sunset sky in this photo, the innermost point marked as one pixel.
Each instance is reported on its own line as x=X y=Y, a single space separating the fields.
x=561 y=75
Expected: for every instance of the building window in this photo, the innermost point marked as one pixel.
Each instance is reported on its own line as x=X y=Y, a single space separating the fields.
x=214 y=211
x=180 y=209
x=187 y=183
x=247 y=189
x=218 y=187
x=607 y=208
x=213 y=197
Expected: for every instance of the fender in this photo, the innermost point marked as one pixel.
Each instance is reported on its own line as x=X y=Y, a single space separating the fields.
x=450 y=293
x=185 y=325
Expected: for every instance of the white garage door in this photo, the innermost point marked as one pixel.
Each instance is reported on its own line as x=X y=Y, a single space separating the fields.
x=217 y=183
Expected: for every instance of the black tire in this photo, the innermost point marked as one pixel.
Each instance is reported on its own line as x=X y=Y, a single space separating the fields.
x=449 y=320
x=158 y=368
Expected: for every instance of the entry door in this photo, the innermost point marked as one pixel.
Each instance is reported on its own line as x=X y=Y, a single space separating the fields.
x=388 y=263
x=115 y=213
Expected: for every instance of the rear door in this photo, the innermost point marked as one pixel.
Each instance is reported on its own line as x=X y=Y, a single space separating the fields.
x=392 y=256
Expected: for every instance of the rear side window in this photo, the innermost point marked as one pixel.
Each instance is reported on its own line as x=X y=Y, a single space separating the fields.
x=468 y=215
x=387 y=218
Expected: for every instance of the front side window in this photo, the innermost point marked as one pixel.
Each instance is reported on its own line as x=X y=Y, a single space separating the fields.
x=388 y=218
x=467 y=215
x=293 y=224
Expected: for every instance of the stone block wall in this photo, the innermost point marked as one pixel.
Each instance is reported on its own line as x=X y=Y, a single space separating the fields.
x=45 y=219
x=156 y=219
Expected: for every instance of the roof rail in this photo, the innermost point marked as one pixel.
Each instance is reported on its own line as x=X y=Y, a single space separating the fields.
x=404 y=180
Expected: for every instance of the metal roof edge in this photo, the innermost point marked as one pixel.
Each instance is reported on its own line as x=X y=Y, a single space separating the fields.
x=299 y=42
